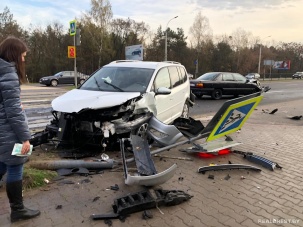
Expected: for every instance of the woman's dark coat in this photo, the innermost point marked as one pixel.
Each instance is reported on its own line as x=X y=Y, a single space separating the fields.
x=13 y=126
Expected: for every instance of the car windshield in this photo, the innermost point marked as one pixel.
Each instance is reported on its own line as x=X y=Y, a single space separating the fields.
x=58 y=74
x=207 y=76
x=119 y=79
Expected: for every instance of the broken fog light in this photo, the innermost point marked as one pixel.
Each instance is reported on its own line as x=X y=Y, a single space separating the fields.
x=157 y=134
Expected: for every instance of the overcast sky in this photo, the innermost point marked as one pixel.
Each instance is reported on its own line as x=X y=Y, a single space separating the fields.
x=280 y=19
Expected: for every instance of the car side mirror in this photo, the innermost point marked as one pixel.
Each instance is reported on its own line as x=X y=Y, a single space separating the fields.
x=163 y=91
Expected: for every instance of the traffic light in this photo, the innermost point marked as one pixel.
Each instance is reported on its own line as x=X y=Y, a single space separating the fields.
x=78 y=37
x=71 y=51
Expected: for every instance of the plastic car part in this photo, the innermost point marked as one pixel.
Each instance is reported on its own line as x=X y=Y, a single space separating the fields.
x=162 y=133
x=226 y=167
x=145 y=165
x=59 y=164
x=258 y=160
x=262 y=161
x=144 y=200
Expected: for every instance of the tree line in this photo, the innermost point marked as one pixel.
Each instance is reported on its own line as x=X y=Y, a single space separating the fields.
x=103 y=39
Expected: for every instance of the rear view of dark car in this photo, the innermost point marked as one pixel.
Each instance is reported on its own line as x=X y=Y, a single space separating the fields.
x=217 y=84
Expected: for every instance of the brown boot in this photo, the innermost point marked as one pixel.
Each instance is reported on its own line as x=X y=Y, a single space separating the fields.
x=18 y=210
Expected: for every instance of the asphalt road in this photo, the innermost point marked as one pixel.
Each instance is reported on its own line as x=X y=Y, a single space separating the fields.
x=282 y=91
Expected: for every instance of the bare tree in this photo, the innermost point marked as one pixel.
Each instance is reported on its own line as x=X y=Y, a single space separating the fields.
x=200 y=31
x=98 y=18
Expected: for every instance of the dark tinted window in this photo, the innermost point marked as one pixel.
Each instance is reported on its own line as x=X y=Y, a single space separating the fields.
x=174 y=76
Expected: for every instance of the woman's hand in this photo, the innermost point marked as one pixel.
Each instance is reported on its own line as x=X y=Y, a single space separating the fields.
x=25 y=147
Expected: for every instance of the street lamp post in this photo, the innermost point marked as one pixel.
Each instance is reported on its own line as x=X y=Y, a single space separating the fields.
x=165 y=56
x=260 y=45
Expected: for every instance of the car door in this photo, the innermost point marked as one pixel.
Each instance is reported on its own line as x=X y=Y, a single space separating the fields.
x=67 y=78
x=229 y=84
x=163 y=102
x=178 y=93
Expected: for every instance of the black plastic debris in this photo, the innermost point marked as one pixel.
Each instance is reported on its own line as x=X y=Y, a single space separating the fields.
x=147 y=214
x=296 y=117
x=226 y=167
x=58 y=207
x=108 y=222
x=263 y=162
x=144 y=200
x=273 y=111
x=227 y=177
x=212 y=177
x=115 y=187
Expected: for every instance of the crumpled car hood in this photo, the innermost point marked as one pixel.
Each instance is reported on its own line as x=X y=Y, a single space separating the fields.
x=77 y=100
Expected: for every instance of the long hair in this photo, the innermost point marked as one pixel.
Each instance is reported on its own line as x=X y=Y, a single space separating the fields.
x=11 y=50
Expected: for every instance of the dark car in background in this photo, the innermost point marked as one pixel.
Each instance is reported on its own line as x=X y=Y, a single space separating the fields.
x=64 y=77
x=217 y=84
x=297 y=75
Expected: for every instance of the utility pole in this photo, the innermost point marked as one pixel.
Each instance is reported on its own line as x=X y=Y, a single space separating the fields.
x=165 y=55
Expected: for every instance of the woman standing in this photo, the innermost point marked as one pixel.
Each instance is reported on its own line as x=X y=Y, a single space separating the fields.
x=13 y=125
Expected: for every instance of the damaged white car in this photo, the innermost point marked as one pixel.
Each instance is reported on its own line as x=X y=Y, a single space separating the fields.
x=119 y=99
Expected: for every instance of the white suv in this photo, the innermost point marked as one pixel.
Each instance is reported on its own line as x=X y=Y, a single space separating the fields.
x=120 y=97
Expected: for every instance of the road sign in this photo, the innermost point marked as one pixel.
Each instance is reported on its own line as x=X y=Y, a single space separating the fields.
x=234 y=117
x=72 y=27
x=71 y=51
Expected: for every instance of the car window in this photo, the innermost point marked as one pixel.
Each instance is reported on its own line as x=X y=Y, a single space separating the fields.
x=182 y=74
x=126 y=78
x=219 y=77
x=208 y=76
x=228 y=77
x=174 y=76
x=239 y=77
x=162 y=79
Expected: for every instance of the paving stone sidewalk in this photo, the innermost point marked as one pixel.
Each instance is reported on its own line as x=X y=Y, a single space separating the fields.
x=247 y=198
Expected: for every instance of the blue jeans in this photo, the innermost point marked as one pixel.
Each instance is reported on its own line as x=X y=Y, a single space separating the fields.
x=14 y=172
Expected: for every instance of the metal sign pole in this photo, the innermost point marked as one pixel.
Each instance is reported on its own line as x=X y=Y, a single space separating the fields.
x=75 y=62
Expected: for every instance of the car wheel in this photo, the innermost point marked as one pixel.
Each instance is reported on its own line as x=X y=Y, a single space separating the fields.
x=54 y=83
x=81 y=81
x=216 y=94
x=185 y=111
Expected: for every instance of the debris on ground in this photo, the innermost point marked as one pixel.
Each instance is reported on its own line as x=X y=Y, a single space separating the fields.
x=144 y=200
x=212 y=177
x=295 y=117
x=227 y=177
x=273 y=111
x=147 y=214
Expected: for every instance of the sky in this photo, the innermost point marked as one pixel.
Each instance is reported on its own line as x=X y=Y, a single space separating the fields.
x=279 y=19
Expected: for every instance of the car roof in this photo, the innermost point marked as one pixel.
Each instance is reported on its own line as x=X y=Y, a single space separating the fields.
x=141 y=64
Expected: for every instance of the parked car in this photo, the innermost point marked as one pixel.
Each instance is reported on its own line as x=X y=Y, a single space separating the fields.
x=297 y=75
x=216 y=84
x=120 y=98
x=64 y=77
x=253 y=76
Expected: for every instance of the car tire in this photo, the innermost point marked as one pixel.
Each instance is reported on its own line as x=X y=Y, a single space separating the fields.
x=216 y=94
x=185 y=111
x=54 y=83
